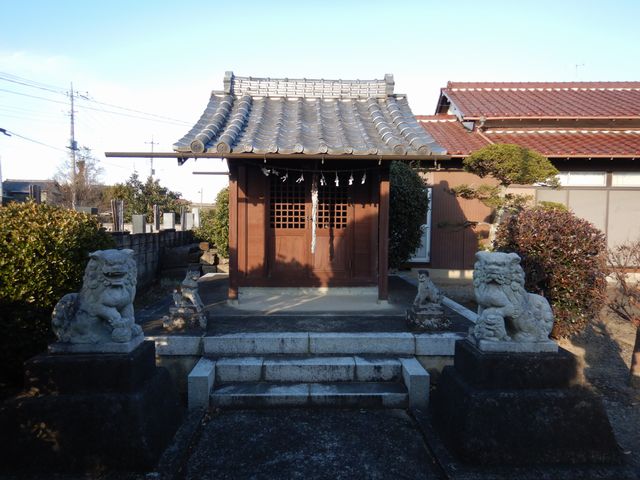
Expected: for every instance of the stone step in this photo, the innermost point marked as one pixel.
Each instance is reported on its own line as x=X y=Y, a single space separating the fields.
x=273 y=394
x=283 y=380
x=297 y=343
x=307 y=369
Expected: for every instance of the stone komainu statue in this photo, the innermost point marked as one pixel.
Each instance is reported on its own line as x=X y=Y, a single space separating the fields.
x=505 y=310
x=427 y=291
x=103 y=310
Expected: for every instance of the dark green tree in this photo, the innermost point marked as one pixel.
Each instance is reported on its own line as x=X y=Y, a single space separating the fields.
x=139 y=197
x=408 y=206
x=509 y=165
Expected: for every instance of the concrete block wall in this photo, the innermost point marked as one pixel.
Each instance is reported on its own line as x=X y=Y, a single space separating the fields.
x=148 y=249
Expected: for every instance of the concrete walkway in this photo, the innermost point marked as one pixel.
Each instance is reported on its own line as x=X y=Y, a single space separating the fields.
x=311 y=444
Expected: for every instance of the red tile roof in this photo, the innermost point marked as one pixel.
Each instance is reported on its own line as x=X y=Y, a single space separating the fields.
x=572 y=143
x=448 y=132
x=545 y=99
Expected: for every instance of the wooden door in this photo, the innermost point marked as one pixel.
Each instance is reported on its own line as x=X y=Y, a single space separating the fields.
x=289 y=235
x=292 y=261
x=333 y=254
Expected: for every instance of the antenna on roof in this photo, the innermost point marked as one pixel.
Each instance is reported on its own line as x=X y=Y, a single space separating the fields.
x=578 y=65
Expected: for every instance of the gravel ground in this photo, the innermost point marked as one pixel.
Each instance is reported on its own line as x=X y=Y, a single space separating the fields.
x=604 y=350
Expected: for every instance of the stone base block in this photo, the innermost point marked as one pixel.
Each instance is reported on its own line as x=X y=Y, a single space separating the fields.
x=514 y=347
x=515 y=370
x=428 y=319
x=496 y=420
x=109 y=347
x=71 y=424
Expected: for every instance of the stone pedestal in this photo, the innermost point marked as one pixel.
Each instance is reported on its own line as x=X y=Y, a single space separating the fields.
x=90 y=412
x=520 y=409
x=428 y=317
x=181 y=318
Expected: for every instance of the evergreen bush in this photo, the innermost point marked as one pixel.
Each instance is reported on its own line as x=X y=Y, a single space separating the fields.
x=409 y=202
x=43 y=254
x=214 y=224
x=564 y=259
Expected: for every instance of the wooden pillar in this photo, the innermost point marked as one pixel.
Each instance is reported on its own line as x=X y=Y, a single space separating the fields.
x=233 y=231
x=383 y=235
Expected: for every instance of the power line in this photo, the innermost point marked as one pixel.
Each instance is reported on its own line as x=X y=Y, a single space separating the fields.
x=29 y=83
x=32 y=96
x=58 y=90
x=170 y=122
x=136 y=111
x=32 y=140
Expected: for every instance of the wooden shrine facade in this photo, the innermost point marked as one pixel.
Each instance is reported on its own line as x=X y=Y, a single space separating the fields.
x=276 y=239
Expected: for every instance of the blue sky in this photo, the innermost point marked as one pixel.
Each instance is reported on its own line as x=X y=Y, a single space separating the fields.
x=164 y=58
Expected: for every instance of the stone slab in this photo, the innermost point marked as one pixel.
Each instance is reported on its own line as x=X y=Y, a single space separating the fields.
x=245 y=395
x=416 y=379
x=515 y=370
x=377 y=369
x=309 y=369
x=107 y=347
x=200 y=382
x=257 y=343
x=177 y=344
x=371 y=395
x=362 y=343
x=90 y=372
x=514 y=347
x=437 y=343
x=239 y=369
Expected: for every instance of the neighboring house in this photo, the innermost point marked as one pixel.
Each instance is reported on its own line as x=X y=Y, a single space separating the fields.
x=589 y=130
x=45 y=191
x=309 y=176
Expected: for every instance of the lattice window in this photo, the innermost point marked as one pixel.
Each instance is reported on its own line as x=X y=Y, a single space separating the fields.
x=333 y=205
x=287 y=204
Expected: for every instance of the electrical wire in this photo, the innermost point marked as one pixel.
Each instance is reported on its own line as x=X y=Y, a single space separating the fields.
x=10 y=132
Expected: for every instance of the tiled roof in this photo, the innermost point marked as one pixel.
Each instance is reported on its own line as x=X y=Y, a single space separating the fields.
x=572 y=143
x=288 y=116
x=545 y=99
x=451 y=134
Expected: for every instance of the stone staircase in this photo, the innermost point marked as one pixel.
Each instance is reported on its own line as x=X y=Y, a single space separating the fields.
x=258 y=370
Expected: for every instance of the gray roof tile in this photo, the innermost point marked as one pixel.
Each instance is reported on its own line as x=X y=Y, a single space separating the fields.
x=302 y=116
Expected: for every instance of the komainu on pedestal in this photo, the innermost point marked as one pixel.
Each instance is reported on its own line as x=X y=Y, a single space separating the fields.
x=96 y=400
x=100 y=318
x=188 y=310
x=427 y=313
x=512 y=396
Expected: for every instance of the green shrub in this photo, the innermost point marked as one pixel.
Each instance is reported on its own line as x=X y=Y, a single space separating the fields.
x=214 y=224
x=564 y=259
x=205 y=232
x=407 y=212
x=43 y=254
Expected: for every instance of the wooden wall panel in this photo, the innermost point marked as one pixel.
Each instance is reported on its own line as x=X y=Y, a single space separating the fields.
x=456 y=223
x=256 y=245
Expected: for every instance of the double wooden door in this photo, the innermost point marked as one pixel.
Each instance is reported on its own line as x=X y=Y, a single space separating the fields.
x=294 y=256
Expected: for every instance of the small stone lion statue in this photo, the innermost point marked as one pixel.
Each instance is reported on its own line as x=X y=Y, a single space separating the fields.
x=505 y=310
x=103 y=310
x=188 y=309
x=427 y=291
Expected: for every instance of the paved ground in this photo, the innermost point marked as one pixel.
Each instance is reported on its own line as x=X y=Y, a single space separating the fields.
x=325 y=316
x=311 y=444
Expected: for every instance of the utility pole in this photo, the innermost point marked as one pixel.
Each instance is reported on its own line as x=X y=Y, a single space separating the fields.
x=73 y=147
x=151 y=170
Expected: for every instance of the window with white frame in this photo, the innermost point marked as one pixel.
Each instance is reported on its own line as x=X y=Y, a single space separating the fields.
x=625 y=179
x=583 y=179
